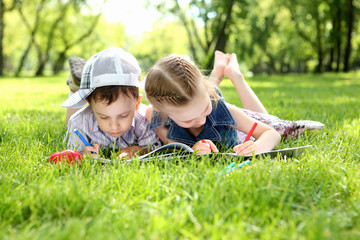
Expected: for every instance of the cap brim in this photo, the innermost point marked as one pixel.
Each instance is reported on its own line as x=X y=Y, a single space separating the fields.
x=77 y=100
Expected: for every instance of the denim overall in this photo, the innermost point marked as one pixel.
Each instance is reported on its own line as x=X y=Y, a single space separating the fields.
x=217 y=127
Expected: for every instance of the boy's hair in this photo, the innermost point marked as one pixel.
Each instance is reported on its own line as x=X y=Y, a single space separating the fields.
x=174 y=80
x=110 y=94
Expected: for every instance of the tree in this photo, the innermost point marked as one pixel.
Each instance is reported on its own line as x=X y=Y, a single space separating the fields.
x=164 y=39
x=350 y=25
x=207 y=25
x=335 y=38
x=46 y=22
x=69 y=41
x=32 y=32
x=3 y=9
x=309 y=17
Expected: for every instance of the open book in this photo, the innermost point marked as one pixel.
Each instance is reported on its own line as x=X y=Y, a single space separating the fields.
x=180 y=150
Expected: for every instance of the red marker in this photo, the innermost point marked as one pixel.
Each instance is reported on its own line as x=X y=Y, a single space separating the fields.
x=251 y=132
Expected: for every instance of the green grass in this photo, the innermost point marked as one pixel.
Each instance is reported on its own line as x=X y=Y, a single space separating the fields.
x=315 y=196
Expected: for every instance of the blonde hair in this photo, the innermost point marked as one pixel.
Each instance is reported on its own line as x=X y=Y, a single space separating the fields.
x=175 y=81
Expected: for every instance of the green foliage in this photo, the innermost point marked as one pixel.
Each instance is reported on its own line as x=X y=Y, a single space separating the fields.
x=274 y=36
x=165 y=39
x=315 y=196
x=61 y=28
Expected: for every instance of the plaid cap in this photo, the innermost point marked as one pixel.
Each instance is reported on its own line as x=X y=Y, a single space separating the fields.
x=110 y=67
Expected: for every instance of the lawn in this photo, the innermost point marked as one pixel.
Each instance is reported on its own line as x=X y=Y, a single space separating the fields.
x=315 y=196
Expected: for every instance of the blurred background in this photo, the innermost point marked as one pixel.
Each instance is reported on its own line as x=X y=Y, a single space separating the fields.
x=37 y=37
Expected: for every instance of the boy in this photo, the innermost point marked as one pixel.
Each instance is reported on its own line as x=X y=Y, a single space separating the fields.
x=113 y=119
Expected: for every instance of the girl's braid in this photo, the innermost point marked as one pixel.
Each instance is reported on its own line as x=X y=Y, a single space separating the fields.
x=172 y=81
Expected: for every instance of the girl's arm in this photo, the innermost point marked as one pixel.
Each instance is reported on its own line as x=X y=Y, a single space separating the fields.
x=247 y=96
x=160 y=131
x=203 y=146
x=266 y=137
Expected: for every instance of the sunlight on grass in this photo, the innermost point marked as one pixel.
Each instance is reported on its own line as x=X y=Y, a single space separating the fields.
x=314 y=196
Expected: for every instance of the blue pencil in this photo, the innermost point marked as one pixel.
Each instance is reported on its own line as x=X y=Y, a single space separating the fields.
x=82 y=138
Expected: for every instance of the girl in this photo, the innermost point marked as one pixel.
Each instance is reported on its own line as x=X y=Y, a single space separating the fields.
x=189 y=110
x=252 y=105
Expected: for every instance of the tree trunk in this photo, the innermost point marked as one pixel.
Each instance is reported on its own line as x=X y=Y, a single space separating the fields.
x=46 y=55
x=32 y=31
x=328 y=67
x=59 y=63
x=222 y=37
x=338 y=38
x=2 y=26
x=333 y=37
x=188 y=30
x=350 y=26
x=22 y=59
x=41 y=66
x=319 y=67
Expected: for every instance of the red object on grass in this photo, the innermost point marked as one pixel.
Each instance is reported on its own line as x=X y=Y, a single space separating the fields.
x=69 y=155
x=250 y=133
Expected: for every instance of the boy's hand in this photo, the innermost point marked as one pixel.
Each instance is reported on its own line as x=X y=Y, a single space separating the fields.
x=205 y=147
x=92 y=151
x=245 y=149
x=123 y=156
x=220 y=63
x=232 y=68
x=129 y=152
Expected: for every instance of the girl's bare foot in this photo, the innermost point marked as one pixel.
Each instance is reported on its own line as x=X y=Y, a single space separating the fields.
x=220 y=63
x=232 y=68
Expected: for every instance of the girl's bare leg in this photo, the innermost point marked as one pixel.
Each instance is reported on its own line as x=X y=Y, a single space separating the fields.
x=220 y=63
x=227 y=65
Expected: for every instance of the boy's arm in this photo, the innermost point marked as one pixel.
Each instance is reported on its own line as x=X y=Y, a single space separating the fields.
x=80 y=122
x=69 y=113
x=145 y=138
x=72 y=140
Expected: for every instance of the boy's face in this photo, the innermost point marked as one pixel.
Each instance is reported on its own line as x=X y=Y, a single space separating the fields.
x=116 y=119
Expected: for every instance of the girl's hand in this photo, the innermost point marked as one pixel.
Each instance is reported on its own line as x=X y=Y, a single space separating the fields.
x=92 y=151
x=205 y=147
x=246 y=148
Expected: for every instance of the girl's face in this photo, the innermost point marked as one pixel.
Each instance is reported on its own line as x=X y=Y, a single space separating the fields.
x=116 y=118
x=193 y=114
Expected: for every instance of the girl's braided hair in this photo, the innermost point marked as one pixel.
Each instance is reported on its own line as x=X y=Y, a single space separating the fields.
x=174 y=80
